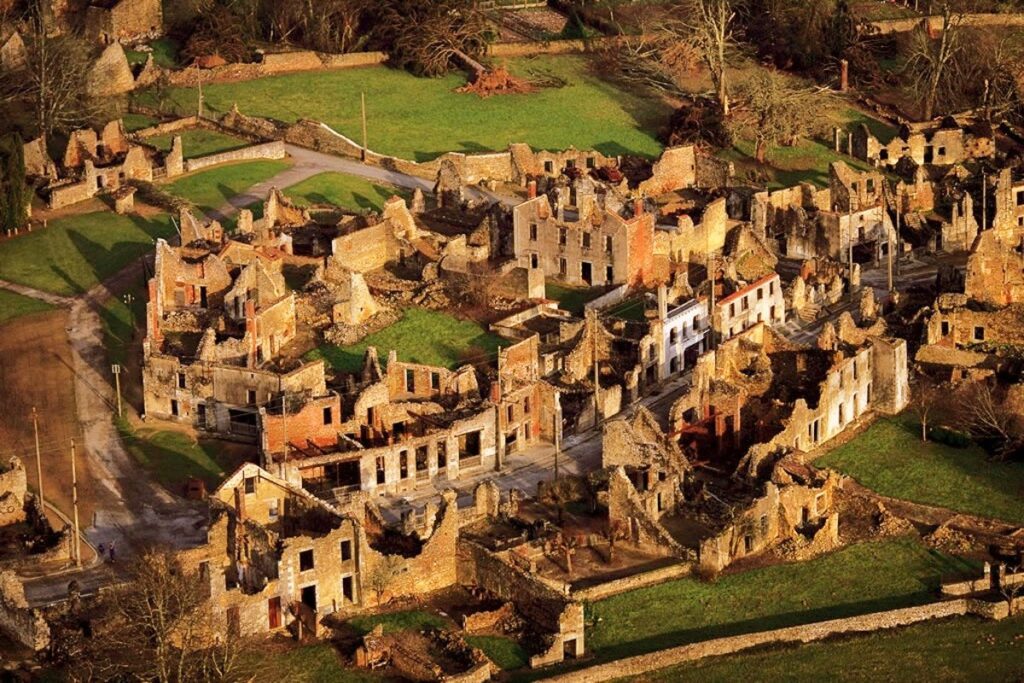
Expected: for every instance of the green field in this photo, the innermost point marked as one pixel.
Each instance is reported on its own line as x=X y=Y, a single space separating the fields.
x=398 y=621
x=421 y=336
x=118 y=319
x=962 y=649
x=75 y=253
x=421 y=118
x=342 y=190
x=862 y=578
x=890 y=458
x=198 y=142
x=134 y=122
x=504 y=652
x=319 y=663
x=172 y=457
x=164 y=51
x=572 y=299
x=210 y=190
x=14 y=306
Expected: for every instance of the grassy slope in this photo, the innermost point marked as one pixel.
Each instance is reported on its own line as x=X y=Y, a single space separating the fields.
x=173 y=457
x=342 y=190
x=72 y=254
x=862 y=578
x=421 y=336
x=198 y=142
x=421 y=118
x=211 y=189
x=890 y=458
x=14 y=306
x=964 y=649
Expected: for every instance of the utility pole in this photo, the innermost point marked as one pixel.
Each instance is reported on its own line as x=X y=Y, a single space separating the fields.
x=74 y=503
x=39 y=462
x=199 y=83
x=116 y=369
x=711 y=278
x=284 y=417
x=888 y=236
x=362 y=100
x=558 y=441
x=597 y=379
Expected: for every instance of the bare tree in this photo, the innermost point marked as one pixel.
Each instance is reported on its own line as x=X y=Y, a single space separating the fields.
x=1013 y=590
x=55 y=79
x=930 y=58
x=615 y=531
x=988 y=420
x=927 y=395
x=713 y=26
x=383 y=574
x=428 y=38
x=156 y=626
x=773 y=109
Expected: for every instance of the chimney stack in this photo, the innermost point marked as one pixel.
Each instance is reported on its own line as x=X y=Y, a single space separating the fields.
x=531 y=189
x=638 y=206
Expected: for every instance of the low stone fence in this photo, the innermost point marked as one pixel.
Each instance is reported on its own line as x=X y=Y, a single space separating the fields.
x=607 y=299
x=267 y=150
x=640 y=664
x=628 y=583
x=887 y=26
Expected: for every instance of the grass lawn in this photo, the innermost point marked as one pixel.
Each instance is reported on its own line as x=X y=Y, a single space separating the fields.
x=134 y=122
x=342 y=190
x=317 y=663
x=118 y=319
x=572 y=299
x=211 y=189
x=630 y=309
x=398 y=621
x=198 y=142
x=863 y=578
x=164 y=51
x=504 y=652
x=173 y=457
x=14 y=306
x=890 y=458
x=421 y=118
x=421 y=336
x=72 y=254
x=961 y=649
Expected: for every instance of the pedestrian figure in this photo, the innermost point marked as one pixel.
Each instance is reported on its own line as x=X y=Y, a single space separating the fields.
x=111 y=551
x=102 y=550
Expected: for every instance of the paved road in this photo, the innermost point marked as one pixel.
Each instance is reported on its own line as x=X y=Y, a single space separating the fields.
x=308 y=163
x=132 y=510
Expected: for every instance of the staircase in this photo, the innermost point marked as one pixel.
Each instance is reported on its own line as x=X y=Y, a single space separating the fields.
x=809 y=313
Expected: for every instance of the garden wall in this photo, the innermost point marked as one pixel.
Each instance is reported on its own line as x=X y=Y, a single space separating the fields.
x=267 y=150
x=887 y=26
x=641 y=580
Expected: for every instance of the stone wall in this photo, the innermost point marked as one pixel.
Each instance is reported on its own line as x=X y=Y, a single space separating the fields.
x=17 y=620
x=638 y=665
x=887 y=26
x=268 y=150
x=629 y=583
x=13 y=487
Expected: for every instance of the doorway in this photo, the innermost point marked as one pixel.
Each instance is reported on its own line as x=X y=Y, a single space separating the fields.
x=274 y=612
x=586 y=272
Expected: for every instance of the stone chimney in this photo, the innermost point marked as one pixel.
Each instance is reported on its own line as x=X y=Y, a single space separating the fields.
x=154 y=314
x=531 y=189
x=638 y=206
x=250 y=330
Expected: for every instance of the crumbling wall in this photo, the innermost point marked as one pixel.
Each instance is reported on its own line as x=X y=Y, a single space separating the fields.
x=17 y=620
x=676 y=169
x=110 y=75
x=267 y=150
x=13 y=488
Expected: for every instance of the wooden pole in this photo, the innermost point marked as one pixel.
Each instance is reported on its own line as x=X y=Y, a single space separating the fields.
x=362 y=100
x=39 y=462
x=117 y=386
x=597 y=378
x=74 y=503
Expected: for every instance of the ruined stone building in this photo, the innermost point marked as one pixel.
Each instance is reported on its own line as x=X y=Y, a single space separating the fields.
x=124 y=21
x=1008 y=222
x=685 y=325
x=215 y=330
x=580 y=242
x=279 y=559
x=995 y=272
x=761 y=301
x=850 y=215
x=944 y=142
